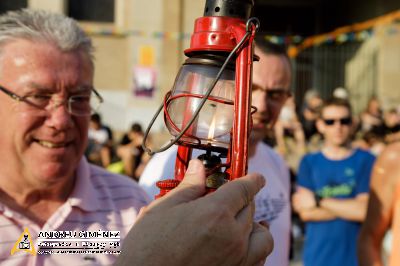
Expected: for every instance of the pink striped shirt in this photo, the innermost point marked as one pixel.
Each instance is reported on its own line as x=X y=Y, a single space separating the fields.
x=99 y=201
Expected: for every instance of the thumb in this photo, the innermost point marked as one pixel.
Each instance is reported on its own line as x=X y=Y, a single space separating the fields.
x=194 y=176
x=191 y=187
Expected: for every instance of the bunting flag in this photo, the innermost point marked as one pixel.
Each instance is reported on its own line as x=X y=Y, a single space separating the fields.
x=357 y=32
x=96 y=30
x=165 y=35
x=286 y=40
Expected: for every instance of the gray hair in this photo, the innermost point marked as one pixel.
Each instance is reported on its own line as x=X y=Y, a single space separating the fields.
x=40 y=25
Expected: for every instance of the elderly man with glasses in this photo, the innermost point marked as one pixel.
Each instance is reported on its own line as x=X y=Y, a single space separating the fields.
x=48 y=188
x=47 y=97
x=333 y=190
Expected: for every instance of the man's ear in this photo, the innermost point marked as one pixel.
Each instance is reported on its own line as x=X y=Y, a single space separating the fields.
x=320 y=125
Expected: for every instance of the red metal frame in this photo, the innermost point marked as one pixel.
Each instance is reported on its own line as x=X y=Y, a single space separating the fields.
x=222 y=34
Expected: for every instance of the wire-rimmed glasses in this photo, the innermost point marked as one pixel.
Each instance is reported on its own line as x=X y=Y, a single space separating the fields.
x=83 y=104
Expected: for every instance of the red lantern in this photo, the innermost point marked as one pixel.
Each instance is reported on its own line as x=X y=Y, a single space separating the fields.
x=209 y=107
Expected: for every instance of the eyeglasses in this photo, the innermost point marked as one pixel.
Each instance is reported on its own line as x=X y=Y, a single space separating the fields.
x=343 y=121
x=79 y=105
x=275 y=94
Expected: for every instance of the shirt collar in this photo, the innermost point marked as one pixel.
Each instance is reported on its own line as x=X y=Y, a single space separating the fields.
x=84 y=195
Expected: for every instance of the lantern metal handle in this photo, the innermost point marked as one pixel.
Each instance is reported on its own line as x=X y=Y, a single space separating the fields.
x=249 y=31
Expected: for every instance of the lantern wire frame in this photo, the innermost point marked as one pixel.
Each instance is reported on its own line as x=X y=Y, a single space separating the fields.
x=252 y=25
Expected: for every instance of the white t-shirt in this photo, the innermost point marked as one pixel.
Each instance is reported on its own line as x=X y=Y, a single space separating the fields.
x=272 y=202
x=100 y=136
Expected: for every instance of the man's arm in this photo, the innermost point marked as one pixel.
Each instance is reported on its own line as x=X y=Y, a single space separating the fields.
x=305 y=205
x=187 y=228
x=385 y=178
x=348 y=209
x=316 y=214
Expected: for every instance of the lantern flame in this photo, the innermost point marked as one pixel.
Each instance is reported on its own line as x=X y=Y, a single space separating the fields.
x=211 y=131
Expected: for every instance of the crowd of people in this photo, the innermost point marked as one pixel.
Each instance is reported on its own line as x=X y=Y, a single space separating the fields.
x=125 y=156
x=318 y=162
x=328 y=154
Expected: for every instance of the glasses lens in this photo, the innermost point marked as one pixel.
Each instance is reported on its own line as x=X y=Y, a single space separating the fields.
x=345 y=121
x=35 y=104
x=329 y=122
x=38 y=100
x=82 y=105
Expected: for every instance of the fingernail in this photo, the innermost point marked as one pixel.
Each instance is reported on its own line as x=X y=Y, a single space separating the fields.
x=194 y=166
x=262 y=179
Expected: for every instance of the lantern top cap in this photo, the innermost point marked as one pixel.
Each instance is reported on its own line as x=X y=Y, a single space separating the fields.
x=229 y=8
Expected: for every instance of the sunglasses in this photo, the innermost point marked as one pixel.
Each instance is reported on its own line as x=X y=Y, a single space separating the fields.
x=343 y=121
